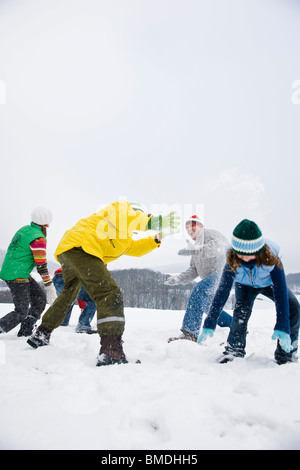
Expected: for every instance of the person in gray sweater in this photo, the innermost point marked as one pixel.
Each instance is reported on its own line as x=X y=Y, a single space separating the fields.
x=207 y=262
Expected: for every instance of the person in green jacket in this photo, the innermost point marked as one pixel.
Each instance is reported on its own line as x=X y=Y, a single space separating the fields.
x=26 y=251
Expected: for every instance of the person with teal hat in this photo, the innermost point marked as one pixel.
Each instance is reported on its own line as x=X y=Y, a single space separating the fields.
x=253 y=263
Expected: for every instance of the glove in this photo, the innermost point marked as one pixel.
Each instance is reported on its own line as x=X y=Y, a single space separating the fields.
x=50 y=293
x=81 y=303
x=284 y=340
x=205 y=333
x=186 y=252
x=173 y=280
x=166 y=225
x=189 y=250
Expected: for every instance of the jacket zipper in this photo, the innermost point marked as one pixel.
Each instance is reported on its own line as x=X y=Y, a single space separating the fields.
x=251 y=276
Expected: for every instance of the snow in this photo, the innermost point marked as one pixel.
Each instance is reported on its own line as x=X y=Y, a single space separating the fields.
x=179 y=397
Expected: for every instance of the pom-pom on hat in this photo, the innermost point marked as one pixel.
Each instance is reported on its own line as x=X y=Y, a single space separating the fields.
x=41 y=216
x=194 y=219
x=247 y=239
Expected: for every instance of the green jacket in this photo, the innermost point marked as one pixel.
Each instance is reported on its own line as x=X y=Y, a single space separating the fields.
x=19 y=262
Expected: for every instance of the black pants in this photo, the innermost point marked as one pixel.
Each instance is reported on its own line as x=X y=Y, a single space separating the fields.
x=245 y=297
x=30 y=300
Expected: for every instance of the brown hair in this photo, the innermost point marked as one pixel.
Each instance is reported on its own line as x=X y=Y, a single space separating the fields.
x=266 y=257
x=44 y=229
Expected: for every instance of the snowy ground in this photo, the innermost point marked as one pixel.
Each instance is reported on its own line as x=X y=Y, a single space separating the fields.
x=177 y=398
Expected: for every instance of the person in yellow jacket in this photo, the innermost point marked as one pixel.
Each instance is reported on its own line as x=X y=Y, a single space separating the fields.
x=83 y=252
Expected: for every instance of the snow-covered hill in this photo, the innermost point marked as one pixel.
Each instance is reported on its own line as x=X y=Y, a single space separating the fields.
x=179 y=397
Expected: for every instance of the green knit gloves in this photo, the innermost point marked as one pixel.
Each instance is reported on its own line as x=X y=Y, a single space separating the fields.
x=165 y=225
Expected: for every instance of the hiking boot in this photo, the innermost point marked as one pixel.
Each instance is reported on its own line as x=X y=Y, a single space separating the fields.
x=185 y=335
x=111 y=351
x=27 y=326
x=226 y=357
x=40 y=337
x=104 y=360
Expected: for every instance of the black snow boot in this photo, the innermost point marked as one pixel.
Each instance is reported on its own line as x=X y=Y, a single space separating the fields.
x=40 y=337
x=27 y=326
x=111 y=351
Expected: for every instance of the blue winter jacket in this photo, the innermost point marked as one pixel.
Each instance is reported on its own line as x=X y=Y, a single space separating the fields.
x=250 y=274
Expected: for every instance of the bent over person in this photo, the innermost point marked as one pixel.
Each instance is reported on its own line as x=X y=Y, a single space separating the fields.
x=26 y=251
x=83 y=253
x=207 y=262
x=253 y=263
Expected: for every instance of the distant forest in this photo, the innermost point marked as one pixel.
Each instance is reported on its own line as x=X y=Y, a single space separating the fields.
x=145 y=288
x=142 y=288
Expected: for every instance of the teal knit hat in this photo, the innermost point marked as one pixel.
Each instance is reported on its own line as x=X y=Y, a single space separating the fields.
x=247 y=239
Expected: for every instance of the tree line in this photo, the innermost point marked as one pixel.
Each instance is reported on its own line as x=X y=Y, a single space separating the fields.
x=145 y=288
x=141 y=288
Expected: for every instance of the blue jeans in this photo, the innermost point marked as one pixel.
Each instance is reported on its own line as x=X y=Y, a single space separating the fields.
x=245 y=297
x=199 y=303
x=88 y=313
x=58 y=282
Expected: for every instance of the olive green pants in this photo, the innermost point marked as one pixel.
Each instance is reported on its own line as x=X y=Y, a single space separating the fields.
x=81 y=269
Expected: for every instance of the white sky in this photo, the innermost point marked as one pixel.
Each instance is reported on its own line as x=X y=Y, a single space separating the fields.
x=183 y=102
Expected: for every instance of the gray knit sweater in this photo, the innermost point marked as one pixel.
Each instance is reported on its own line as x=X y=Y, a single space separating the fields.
x=208 y=255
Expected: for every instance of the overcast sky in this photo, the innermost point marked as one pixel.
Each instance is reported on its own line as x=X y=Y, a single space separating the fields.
x=166 y=102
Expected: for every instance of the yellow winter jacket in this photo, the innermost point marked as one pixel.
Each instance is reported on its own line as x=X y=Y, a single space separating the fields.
x=107 y=234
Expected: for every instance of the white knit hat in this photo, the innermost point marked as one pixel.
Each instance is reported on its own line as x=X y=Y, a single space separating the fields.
x=41 y=216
